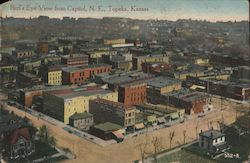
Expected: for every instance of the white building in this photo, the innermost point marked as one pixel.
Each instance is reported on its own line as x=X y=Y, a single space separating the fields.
x=213 y=141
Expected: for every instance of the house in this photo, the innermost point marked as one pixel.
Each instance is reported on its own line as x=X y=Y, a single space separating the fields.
x=20 y=143
x=213 y=141
x=82 y=121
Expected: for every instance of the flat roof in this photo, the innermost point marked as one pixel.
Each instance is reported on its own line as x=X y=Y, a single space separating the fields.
x=117 y=105
x=80 y=68
x=107 y=126
x=160 y=108
x=77 y=116
x=74 y=56
x=128 y=78
x=29 y=75
x=187 y=95
x=79 y=91
x=213 y=134
x=160 y=82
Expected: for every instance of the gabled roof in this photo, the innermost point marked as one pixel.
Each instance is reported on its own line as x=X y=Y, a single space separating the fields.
x=17 y=133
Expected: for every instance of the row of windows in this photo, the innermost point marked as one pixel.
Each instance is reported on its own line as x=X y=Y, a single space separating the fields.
x=130 y=114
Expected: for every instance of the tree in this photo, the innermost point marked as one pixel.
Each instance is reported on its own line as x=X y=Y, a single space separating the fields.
x=157 y=144
x=171 y=137
x=44 y=136
x=184 y=136
x=196 y=129
x=143 y=149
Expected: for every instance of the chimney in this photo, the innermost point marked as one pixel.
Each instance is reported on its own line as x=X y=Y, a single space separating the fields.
x=212 y=128
x=211 y=134
x=201 y=131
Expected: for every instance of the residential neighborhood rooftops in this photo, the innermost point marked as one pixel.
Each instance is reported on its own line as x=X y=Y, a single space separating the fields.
x=107 y=127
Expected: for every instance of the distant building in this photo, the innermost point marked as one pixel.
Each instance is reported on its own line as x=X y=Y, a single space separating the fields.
x=137 y=61
x=75 y=60
x=115 y=112
x=161 y=85
x=114 y=41
x=63 y=103
x=193 y=102
x=82 y=121
x=155 y=67
x=241 y=73
x=52 y=75
x=22 y=53
x=213 y=141
x=25 y=79
x=79 y=75
x=131 y=86
x=43 y=47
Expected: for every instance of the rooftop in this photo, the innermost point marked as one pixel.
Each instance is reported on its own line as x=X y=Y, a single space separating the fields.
x=80 y=68
x=160 y=108
x=128 y=78
x=160 y=82
x=77 y=116
x=29 y=75
x=108 y=127
x=74 y=56
x=187 y=95
x=79 y=91
x=213 y=134
x=117 y=105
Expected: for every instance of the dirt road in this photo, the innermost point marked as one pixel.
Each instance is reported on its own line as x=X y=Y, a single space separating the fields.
x=128 y=150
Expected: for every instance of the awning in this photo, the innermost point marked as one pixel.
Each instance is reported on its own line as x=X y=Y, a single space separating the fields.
x=193 y=87
x=139 y=126
x=161 y=120
x=118 y=135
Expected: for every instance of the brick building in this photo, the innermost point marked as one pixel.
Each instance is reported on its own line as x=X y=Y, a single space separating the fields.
x=78 y=75
x=193 y=102
x=133 y=93
x=75 y=60
x=109 y=111
x=138 y=60
x=43 y=47
x=25 y=79
x=155 y=67
x=131 y=86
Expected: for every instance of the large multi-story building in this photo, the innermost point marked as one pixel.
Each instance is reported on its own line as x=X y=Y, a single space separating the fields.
x=75 y=60
x=61 y=104
x=132 y=86
x=78 y=75
x=25 y=79
x=110 y=111
x=52 y=75
x=137 y=61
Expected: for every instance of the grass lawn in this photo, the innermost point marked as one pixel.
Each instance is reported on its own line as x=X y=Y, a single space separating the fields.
x=240 y=146
x=41 y=150
x=184 y=156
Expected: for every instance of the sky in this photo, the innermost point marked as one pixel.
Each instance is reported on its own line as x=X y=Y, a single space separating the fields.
x=211 y=10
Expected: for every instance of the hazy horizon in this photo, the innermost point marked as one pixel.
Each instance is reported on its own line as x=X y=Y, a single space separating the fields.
x=172 y=10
